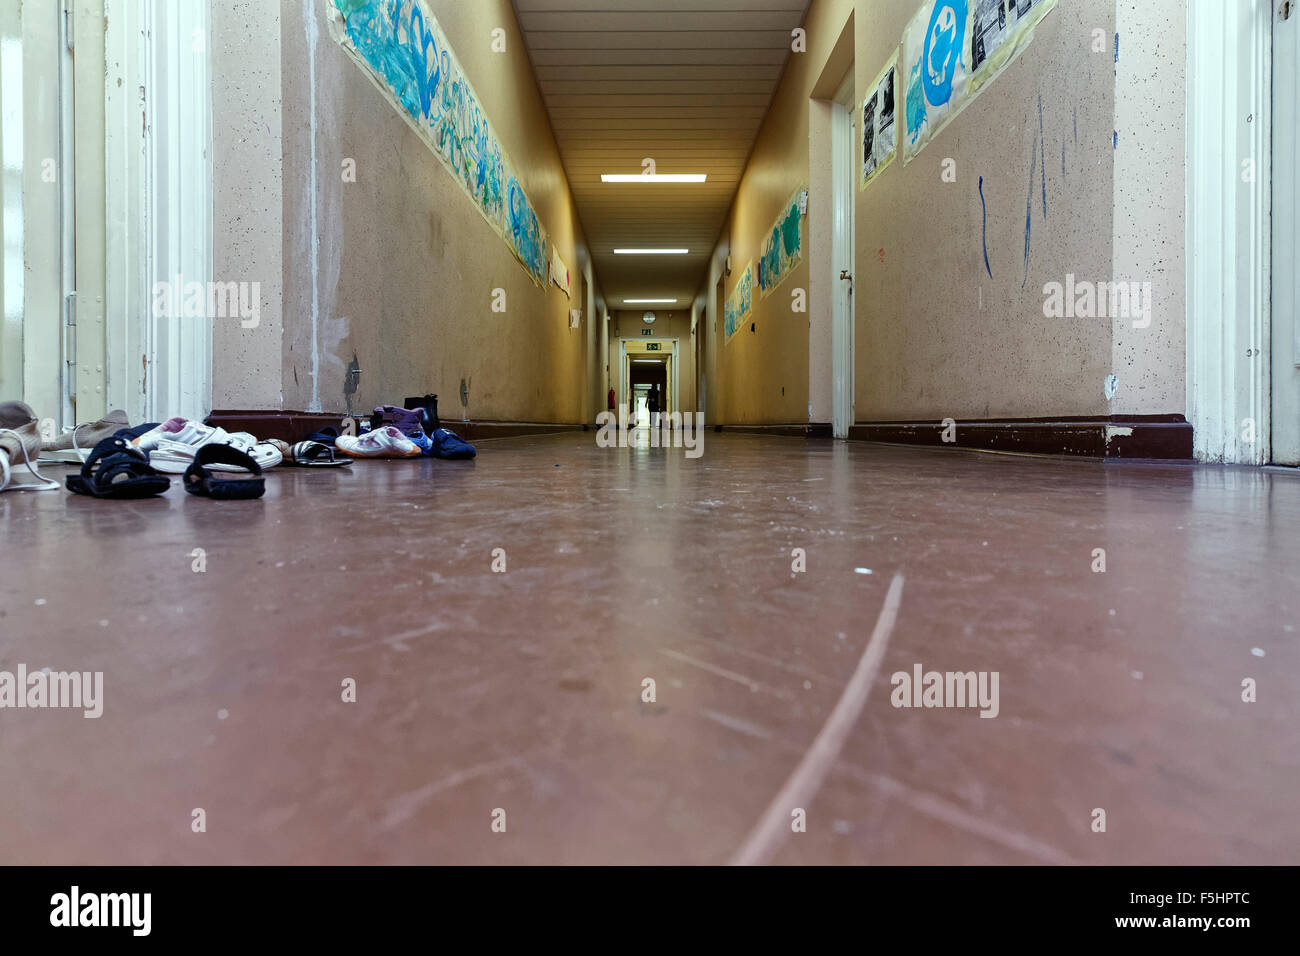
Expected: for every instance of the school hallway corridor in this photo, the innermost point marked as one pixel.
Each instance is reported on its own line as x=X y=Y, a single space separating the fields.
x=648 y=433
x=521 y=689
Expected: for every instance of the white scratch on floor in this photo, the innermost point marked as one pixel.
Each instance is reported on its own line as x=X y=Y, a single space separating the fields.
x=939 y=809
x=736 y=724
x=749 y=682
x=402 y=808
x=802 y=786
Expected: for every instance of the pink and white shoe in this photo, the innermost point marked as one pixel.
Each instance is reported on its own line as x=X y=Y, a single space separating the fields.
x=382 y=443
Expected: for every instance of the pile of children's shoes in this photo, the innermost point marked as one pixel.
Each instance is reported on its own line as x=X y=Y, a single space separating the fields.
x=121 y=461
x=394 y=432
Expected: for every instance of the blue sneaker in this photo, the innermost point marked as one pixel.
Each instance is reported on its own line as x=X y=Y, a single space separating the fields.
x=424 y=441
x=447 y=444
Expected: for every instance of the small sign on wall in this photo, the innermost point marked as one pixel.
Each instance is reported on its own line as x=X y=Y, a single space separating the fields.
x=647 y=331
x=575 y=318
x=653 y=346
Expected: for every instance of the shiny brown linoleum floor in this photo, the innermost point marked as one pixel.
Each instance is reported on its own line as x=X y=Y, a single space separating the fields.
x=522 y=691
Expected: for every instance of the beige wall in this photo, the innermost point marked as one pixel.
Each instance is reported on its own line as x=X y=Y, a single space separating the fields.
x=397 y=269
x=936 y=337
x=1150 y=204
x=248 y=179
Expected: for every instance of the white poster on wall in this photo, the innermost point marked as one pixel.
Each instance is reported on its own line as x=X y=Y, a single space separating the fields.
x=879 y=132
x=559 y=272
x=936 y=69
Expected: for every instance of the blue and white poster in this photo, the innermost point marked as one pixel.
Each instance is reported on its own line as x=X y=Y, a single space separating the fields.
x=936 y=70
x=401 y=47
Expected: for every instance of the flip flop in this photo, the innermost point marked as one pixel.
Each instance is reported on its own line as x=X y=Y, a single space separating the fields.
x=314 y=454
x=124 y=472
x=200 y=481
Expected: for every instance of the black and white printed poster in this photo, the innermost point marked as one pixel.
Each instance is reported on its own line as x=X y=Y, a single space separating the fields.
x=879 y=139
x=998 y=26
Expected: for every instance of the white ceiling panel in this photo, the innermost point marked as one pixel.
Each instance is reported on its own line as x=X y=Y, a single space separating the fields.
x=684 y=82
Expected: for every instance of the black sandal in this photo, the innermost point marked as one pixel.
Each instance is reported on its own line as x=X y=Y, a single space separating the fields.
x=124 y=472
x=199 y=481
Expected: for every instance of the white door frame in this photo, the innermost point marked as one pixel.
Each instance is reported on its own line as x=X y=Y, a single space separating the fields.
x=1229 y=66
x=1285 y=410
x=623 y=367
x=39 y=110
x=842 y=258
x=159 y=222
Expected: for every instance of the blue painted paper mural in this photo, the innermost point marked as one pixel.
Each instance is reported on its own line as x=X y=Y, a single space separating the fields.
x=741 y=301
x=406 y=54
x=936 y=68
x=782 y=249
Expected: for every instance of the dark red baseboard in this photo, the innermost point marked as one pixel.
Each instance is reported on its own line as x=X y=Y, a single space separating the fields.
x=813 y=430
x=1119 y=436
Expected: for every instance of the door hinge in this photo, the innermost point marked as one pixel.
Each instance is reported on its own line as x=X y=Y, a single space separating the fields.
x=70 y=339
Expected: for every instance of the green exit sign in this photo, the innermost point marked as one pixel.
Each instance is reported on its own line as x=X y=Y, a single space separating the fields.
x=652 y=346
x=647 y=331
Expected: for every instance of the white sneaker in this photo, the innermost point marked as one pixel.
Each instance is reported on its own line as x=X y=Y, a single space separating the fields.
x=383 y=443
x=172 y=446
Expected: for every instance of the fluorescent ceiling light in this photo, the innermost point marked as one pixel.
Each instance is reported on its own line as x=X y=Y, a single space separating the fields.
x=651 y=252
x=649 y=301
x=654 y=177
x=647 y=362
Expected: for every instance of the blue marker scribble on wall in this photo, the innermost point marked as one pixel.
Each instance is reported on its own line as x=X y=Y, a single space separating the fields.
x=1042 y=153
x=1029 y=212
x=783 y=249
x=405 y=48
x=985 y=208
